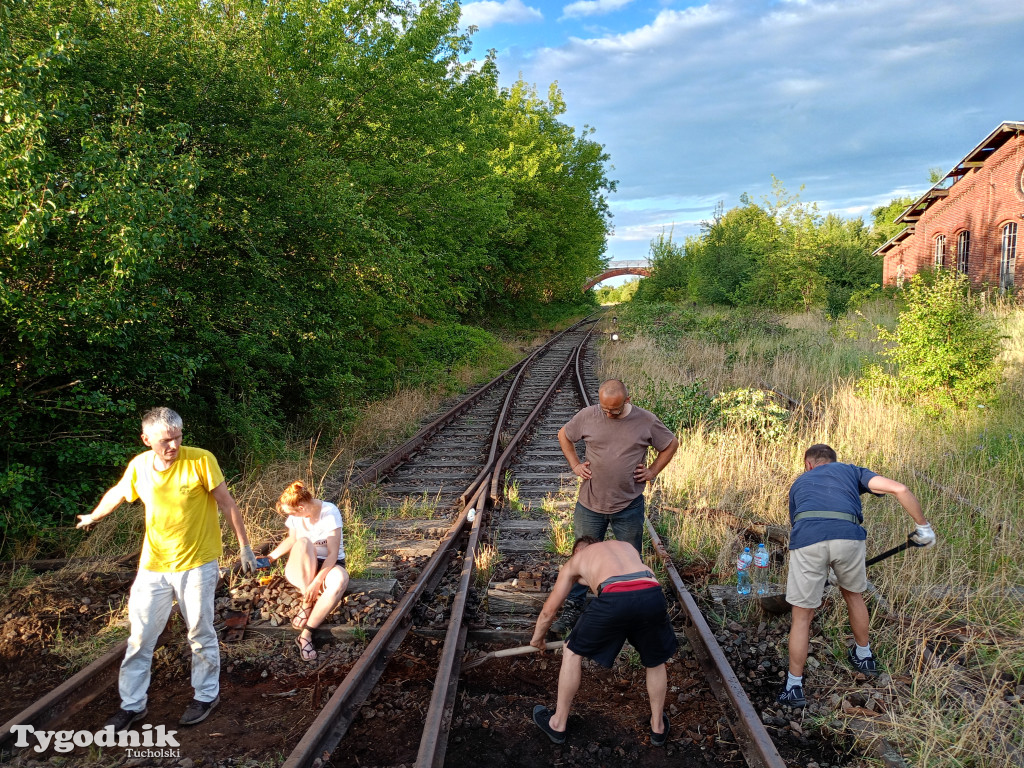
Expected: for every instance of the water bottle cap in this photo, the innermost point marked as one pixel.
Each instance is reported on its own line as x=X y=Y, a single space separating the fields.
x=746 y=549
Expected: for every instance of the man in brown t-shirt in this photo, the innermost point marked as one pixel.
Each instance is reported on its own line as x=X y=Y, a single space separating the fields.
x=617 y=434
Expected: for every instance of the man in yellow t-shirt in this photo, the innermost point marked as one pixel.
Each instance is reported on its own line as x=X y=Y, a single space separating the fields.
x=181 y=488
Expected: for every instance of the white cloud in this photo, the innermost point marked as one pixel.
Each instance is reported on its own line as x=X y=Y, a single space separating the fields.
x=583 y=8
x=488 y=13
x=854 y=99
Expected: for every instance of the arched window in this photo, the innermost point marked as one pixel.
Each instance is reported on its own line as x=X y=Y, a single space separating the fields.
x=1008 y=256
x=963 y=251
x=940 y=251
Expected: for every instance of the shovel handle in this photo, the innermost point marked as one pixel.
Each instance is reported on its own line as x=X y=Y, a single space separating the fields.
x=890 y=552
x=552 y=646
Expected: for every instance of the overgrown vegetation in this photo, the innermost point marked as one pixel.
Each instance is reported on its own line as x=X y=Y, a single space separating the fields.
x=261 y=214
x=965 y=464
x=945 y=346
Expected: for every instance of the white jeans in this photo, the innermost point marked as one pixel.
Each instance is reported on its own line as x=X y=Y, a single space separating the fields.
x=149 y=606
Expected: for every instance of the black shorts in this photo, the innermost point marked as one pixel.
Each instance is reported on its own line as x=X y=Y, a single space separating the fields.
x=320 y=563
x=610 y=619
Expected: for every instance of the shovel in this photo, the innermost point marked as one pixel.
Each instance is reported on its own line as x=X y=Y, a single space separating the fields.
x=890 y=552
x=777 y=603
x=552 y=646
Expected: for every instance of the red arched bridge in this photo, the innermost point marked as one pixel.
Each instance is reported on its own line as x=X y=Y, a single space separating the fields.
x=640 y=267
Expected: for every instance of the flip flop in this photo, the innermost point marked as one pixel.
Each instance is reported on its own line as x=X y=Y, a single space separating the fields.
x=306 y=650
x=542 y=717
x=301 y=617
x=659 y=739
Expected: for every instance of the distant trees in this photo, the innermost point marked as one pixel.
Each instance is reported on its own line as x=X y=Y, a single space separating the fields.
x=249 y=212
x=884 y=218
x=617 y=294
x=781 y=254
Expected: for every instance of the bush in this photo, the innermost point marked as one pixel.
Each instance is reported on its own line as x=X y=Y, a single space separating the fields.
x=679 y=406
x=944 y=347
x=753 y=410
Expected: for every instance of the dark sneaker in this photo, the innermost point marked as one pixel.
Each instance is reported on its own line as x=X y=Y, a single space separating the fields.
x=542 y=717
x=571 y=613
x=123 y=718
x=864 y=666
x=659 y=739
x=792 y=697
x=197 y=711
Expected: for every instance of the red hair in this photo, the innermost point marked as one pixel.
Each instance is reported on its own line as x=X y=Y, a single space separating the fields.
x=293 y=495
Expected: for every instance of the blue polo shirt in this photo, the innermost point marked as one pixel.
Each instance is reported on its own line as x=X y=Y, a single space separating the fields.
x=832 y=487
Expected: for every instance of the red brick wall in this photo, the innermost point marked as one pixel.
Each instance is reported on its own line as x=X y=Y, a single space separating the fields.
x=983 y=201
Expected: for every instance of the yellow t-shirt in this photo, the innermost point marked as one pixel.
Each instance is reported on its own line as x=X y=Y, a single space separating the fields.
x=182 y=527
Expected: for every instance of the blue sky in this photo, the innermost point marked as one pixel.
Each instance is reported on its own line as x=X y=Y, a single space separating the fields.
x=853 y=100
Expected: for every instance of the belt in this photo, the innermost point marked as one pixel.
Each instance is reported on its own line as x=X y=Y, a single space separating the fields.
x=819 y=515
x=624 y=577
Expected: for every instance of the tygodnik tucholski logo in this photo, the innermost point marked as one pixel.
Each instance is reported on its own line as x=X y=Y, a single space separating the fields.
x=149 y=742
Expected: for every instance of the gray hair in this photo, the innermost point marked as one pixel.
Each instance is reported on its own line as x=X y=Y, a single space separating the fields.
x=161 y=417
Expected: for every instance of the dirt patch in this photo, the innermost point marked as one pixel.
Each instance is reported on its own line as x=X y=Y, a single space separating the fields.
x=55 y=626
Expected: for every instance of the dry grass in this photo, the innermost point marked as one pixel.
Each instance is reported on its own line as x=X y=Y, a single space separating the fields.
x=958 y=714
x=487 y=556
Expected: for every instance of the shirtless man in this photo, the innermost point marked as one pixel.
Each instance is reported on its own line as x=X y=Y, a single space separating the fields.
x=614 y=474
x=629 y=606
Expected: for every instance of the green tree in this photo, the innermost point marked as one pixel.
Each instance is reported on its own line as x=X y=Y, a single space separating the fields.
x=252 y=212
x=884 y=226
x=669 y=271
x=846 y=261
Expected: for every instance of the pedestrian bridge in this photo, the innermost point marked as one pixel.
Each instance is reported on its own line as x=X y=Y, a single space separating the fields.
x=641 y=267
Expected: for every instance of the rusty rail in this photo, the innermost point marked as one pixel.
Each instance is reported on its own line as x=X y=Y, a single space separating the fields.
x=513 y=445
x=434 y=741
x=754 y=741
x=69 y=697
x=395 y=457
x=330 y=726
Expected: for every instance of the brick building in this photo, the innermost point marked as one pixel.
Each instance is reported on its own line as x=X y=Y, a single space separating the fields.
x=970 y=220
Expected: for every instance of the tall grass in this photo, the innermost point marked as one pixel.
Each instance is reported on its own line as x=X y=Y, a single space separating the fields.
x=967 y=468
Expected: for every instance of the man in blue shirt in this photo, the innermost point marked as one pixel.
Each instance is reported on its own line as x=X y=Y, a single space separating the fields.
x=825 y=511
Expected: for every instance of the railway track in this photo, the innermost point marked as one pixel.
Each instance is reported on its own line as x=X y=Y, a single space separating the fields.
x=465 y=463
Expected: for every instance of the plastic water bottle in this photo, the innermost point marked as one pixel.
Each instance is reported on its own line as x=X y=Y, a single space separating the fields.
x=743 y=572
x=761 y=560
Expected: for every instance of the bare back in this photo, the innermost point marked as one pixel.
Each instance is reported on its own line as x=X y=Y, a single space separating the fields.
x=597 y=562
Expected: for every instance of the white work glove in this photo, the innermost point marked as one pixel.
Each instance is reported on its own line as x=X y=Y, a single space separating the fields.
x=923 y=535
x=249 y=559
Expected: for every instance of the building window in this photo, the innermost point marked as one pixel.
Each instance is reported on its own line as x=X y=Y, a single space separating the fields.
x=1008 y=256
x=940 y=251
x=963 y=251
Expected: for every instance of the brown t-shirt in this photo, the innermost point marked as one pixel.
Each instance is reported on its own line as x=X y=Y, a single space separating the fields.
x=614 y=448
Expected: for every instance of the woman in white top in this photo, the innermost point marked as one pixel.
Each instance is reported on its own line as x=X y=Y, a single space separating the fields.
x=316 y=565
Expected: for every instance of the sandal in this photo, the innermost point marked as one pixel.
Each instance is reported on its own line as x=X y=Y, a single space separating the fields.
x=306 y=650
x=301 y=617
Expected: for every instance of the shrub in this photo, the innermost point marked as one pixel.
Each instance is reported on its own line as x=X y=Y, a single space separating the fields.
x=753 y=410
x=944 y=347
x=679 y=406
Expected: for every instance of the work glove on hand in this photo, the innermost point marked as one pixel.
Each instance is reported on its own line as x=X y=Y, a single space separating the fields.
x=249 y=559
x=923 y=535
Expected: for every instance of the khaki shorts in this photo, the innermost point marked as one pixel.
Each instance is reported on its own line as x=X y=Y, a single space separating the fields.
x=808 y=570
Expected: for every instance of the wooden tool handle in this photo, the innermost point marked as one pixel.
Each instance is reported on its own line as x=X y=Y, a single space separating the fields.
x=554 y=645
